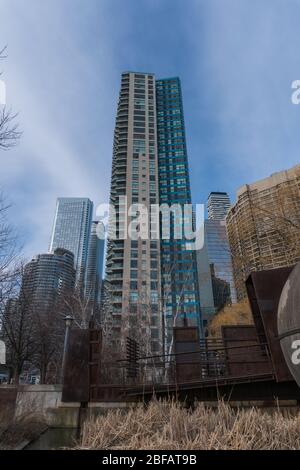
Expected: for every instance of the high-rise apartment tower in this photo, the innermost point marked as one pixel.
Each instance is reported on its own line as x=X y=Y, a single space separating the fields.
x=48 y=276
x=218 y=205
x=133 y=263
x=151 y=282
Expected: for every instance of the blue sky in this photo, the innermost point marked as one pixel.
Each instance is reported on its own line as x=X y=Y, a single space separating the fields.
x=236 y=59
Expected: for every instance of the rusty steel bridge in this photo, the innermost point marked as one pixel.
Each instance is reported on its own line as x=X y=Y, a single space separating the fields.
x=245 y=363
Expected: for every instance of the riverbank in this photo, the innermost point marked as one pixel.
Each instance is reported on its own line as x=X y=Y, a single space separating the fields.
x=18 y=433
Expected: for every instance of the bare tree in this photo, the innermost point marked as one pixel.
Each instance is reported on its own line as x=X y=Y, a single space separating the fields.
x=111 y=342
x=136 y=321
x=33 y=332
x=9 y=256
x=169 y=325
x=282 y=225
x=80 y=307
x=9 y=129
x=9 y=133
x=9 y=250
x=17 y=326
x=48 y=337
x=268 y=234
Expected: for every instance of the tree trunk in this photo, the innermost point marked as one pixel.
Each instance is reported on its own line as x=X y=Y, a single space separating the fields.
x=16 y=377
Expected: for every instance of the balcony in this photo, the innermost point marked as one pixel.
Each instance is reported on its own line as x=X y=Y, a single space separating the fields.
x=116 y=277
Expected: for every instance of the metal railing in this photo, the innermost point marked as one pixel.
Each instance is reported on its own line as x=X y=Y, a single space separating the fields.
x=211 y=362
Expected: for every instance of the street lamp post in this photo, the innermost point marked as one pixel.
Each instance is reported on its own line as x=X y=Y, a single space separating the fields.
x=68 y=322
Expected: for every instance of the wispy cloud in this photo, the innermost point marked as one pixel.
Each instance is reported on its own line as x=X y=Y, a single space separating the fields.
x=245 y=60
x=236 y=59
x=58 y=75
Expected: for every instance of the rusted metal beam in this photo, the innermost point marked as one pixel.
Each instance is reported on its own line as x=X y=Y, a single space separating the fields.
x=289 y=322
x=264 y=290
x=76 y=376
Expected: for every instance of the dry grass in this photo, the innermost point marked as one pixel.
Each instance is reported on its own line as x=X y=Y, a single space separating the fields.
x=235 y=314
x=168 y=426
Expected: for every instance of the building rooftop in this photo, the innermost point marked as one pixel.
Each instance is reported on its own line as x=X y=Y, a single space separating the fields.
x=271 y=181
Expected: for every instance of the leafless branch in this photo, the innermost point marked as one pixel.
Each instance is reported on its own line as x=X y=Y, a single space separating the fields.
x=9 y=129
x=3 y=53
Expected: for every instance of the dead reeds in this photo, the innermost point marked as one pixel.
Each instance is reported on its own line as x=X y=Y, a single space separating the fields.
x=170 y=426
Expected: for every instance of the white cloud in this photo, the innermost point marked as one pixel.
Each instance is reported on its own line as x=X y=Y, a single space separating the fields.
x=65 y=105
x=237 y=60
x=246 y=57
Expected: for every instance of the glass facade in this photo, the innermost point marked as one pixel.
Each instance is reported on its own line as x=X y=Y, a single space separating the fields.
x=95 y=266
x=206 y=292
x=216 y=281
x=180 y=292
x=71 y=230
x=219 y=255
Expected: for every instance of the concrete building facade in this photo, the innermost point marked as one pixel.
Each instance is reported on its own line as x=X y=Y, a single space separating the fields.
x=133 y=260
x=47 y=276
x=264 y=225
x=218 y=205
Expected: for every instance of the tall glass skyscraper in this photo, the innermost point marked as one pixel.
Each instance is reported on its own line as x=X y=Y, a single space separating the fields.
x=71 y=230
x=219 y=255
x=214 y=259
x=180 y=292
x=206 y=290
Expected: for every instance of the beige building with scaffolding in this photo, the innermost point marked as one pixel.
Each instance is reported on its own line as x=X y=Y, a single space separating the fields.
x=264 y=225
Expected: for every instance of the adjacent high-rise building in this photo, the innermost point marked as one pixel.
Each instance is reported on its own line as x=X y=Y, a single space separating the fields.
x=94 y=272
x=180 y=294
x=47 y=276
x=151 y=282
x=206 y=291
x=218 y=205
x=221 y=290
x=219 y=254
x=264 y=225
x=71 y=230
x=216 y=282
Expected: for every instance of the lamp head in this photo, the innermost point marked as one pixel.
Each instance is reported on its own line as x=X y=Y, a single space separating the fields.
x=68 y=320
